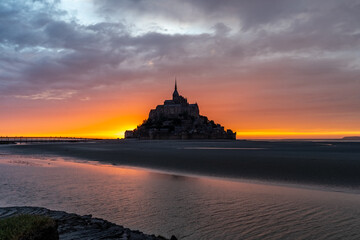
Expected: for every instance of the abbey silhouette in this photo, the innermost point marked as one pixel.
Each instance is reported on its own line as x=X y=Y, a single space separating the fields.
x=177 y=119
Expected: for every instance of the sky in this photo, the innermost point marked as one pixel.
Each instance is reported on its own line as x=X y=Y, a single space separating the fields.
x=265 y=69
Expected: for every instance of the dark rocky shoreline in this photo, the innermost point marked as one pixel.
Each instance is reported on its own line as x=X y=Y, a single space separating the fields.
x=72 y=226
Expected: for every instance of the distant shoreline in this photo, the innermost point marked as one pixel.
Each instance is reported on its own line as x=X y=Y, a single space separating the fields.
x=7 y=142
x=351 y=138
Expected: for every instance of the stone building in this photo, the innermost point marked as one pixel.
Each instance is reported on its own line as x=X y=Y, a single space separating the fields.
x=174 y=108
x=177 y=119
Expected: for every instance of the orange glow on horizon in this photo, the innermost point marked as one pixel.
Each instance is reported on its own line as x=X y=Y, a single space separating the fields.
x=110 y=114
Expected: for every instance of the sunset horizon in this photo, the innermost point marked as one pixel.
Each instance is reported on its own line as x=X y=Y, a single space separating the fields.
x=115 y=123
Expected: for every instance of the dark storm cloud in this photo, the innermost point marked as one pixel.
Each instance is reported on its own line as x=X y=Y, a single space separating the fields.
x=308 y=23
x=42 y=51
x=251 y=12
x=285 y=45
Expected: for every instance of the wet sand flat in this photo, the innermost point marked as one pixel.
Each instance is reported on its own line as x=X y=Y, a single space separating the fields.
x=304 y=162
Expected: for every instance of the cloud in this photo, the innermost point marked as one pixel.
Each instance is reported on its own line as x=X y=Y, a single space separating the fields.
x=50 y=95
x=280 y=48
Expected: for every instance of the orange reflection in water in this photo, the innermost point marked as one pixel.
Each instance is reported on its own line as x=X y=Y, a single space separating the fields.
x=89 y=166
x=102 y=168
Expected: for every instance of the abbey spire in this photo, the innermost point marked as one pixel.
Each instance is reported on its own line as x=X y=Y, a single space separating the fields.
x=175 y=94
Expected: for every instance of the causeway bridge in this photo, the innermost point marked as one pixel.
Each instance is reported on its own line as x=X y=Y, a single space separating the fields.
x=20 y=139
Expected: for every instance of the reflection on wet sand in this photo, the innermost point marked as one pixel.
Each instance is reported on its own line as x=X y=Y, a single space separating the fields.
x=296 y=162
x=188 y=207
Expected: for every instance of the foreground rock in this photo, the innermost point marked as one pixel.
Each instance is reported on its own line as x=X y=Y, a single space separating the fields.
x=72 y=226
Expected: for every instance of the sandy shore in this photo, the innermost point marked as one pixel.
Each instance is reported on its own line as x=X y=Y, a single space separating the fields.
x=324 y=163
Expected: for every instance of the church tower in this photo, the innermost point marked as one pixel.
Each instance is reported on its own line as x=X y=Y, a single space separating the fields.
x=175 y=94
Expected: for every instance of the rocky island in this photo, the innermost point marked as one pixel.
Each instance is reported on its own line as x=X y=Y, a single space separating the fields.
x=177 y=119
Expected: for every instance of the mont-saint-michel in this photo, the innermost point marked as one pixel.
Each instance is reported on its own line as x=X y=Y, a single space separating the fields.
x=178 y=119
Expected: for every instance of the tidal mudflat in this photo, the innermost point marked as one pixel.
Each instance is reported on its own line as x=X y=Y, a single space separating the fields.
x=166 y=202
x=299 y=162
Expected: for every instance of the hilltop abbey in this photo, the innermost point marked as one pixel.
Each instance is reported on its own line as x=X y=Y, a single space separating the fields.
x=177 y=119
